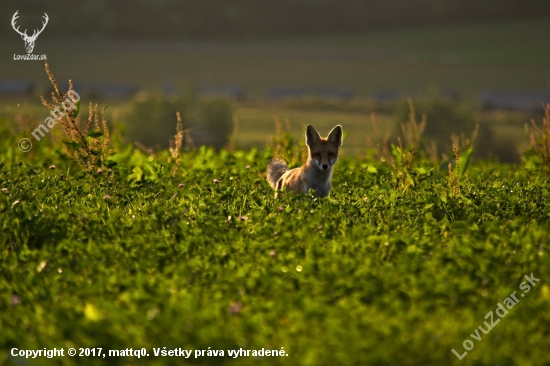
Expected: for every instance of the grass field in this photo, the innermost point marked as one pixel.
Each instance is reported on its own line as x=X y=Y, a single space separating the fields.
x=396 y=267
x=403 y=264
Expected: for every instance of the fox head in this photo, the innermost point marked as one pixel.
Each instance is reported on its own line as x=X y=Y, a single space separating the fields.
x=323 y=152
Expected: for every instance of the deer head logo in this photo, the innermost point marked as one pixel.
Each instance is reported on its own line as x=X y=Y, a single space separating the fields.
x=29 y=41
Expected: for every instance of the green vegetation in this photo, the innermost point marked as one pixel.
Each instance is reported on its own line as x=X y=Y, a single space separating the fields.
x=399 y=265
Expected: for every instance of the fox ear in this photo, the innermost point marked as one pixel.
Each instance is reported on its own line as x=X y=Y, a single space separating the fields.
x=335 y=136
x=312 y=136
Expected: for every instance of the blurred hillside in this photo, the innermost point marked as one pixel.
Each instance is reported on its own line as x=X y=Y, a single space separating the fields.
x=245 y=19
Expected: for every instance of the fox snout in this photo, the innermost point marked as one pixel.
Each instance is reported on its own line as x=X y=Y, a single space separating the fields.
x=324 y=165
x=324 y=161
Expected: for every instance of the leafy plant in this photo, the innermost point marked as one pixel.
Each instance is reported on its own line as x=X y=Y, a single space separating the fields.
x=404 y=156
x=540 y=139
x=90 y=147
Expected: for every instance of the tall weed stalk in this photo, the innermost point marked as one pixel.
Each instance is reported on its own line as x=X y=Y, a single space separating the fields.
x=89 y=147
x=539 y=137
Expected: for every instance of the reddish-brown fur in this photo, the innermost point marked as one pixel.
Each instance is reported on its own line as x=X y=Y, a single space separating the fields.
x=316 y=173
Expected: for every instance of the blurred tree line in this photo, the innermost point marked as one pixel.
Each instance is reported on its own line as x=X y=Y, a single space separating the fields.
x=222 y=19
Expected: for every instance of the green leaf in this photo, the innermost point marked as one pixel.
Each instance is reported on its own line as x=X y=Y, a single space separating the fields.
x=72 y=144
x=95 y=133
x=464 y=160
x=74 y=112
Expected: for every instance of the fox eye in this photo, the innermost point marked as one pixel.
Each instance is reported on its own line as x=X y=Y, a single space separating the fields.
x=317 y=155
x=331 y=155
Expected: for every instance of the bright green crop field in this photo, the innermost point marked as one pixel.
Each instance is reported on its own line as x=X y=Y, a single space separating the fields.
x=402 y=265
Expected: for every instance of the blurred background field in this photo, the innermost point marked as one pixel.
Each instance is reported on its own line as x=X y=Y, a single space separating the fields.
x=494 y=61
x=465 y=58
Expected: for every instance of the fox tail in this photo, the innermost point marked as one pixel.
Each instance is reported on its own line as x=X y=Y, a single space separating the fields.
x=275 y=170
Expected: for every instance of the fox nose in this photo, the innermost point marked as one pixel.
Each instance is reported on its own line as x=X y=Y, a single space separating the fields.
x=325 y=166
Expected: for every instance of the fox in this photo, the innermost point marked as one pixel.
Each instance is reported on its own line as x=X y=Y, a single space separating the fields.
x=316 y=173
